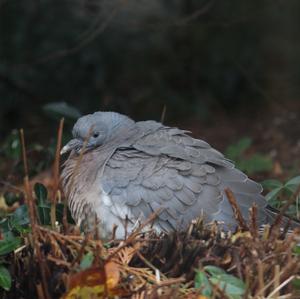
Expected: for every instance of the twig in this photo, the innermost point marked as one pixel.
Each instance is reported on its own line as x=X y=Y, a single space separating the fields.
x=29 y=202
x=9 y=185
x=55 y=190
x=276 y=281
x=57 y=159
x=163 y=114
x=253 y=223
x=133 y=235
x=149 y=264
x=237 y=213
x=260 y=272
x=274 y=292
x=59 y=262
x=61 y=236
x=25 y=164
x=263 y=290
x=171 y=281
x=40 y=292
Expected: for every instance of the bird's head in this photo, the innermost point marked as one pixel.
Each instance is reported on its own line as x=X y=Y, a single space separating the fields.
x=94 y=130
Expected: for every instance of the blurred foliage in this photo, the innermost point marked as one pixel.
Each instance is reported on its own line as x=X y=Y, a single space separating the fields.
x=11 y=147
x=40 y=154
x=10 y=198
x=86 y=261
x=279 y=194
x=58 y=110
x=18 y=221
x=15 y=224
x=5 y=278
x=7 y=245
x=135 y=56
x=39 y=157
x=233 y=287
x=249 y=163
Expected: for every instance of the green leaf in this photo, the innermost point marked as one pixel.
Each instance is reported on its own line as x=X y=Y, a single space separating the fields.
x=4 y=225
x=19 y=220
x=41 y=193
x=213 y=270
x=5 y=278
x=271 y=184
x=296 y=283
x=9 y=244
x=293 y=184
x=232 y=286
x=58 y=110
x=107 y=245
x=10 y=198
x=254 y=164
x=12 y=145
x=60 y=212
x=294 y=181
x=44 y=206
x=86 y=261
x=202 y=282
x=20 y=216
x=44 y=214
x=8 y=235
x=273 y=194
x=296 y=249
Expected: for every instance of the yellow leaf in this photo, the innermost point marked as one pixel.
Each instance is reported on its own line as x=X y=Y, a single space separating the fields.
x=87 y=284
x=95 y=283
x=112 y=273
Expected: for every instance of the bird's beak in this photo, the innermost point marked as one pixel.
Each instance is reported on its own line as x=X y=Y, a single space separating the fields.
x=73 y=144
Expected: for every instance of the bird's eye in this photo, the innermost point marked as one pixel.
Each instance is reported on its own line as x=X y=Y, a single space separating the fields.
x=95 y=135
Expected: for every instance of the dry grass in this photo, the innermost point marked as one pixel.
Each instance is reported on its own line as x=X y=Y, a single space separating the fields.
x=150 y=266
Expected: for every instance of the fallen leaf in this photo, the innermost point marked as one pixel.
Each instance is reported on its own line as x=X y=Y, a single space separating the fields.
x=112 y=272
x=95 y=283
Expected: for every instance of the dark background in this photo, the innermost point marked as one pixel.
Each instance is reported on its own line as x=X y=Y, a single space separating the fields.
x=224 y=69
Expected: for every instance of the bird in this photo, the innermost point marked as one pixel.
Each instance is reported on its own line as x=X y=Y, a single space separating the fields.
x=119 y=172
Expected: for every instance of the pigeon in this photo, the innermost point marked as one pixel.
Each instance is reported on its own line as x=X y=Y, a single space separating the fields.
x=119 y=172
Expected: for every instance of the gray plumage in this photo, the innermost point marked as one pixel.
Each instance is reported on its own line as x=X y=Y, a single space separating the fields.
x=131 y=169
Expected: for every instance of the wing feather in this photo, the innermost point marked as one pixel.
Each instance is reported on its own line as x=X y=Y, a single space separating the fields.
x=184 y=176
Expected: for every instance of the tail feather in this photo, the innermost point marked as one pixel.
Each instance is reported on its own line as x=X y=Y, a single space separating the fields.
x=284 y=220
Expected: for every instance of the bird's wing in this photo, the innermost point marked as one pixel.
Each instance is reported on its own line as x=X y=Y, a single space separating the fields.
x=145 y=183
x=246 y=192
x=176 y=143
